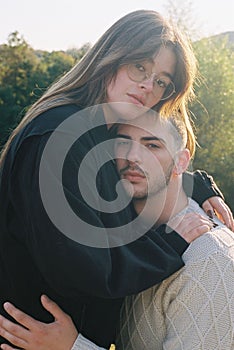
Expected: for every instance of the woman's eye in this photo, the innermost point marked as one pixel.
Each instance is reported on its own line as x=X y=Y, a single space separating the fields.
x=140 y=67
x=161 y=83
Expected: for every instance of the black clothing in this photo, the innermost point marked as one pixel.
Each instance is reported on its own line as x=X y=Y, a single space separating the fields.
x=36 y=257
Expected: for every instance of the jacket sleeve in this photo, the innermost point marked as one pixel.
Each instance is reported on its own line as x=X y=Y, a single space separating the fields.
x=68 y=266
x=200 y=186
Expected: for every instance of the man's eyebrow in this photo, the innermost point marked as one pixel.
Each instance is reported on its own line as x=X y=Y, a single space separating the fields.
x=153 y=138
x=123 y=136
x=144 y=138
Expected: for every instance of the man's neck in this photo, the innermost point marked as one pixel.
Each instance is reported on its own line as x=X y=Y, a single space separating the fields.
x=164 y=205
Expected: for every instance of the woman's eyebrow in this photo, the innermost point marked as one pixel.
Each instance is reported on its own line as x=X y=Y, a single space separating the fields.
x=167 y=75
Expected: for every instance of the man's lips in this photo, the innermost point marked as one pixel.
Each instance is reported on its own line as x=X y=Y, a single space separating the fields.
x=132 y=175
x=136 y=99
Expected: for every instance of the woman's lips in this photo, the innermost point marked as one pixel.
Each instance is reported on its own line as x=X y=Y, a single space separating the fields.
x=136 y=99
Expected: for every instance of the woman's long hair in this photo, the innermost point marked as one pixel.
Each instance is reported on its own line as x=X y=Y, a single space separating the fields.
x=136 y=36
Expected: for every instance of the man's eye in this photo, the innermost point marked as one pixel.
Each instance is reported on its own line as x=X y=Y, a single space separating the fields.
x=152 y=145
x=122 y=142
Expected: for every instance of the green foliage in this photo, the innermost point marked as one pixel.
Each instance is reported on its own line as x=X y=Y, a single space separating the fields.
x=24 y=75
x=17 y=68
x=214 y=112
x=78 y=54
x=214 y=109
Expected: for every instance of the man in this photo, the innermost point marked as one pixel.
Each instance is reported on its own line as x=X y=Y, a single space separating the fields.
x=192 y=309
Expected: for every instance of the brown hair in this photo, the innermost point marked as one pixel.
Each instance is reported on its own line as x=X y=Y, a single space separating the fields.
x=138 y=35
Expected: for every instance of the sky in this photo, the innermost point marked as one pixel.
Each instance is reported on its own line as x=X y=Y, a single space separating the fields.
x=64 y=24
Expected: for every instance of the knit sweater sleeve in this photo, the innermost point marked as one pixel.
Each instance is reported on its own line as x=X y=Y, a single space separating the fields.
x=82 y=343
x=193 y=309
x=201 y=316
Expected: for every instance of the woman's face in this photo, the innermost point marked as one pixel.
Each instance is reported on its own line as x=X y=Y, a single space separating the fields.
x=141 y=94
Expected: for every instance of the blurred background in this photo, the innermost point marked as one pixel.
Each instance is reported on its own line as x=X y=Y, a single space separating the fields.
x=41 y=41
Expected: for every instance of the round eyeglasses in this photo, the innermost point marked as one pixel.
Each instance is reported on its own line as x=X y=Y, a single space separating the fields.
x=163 y=87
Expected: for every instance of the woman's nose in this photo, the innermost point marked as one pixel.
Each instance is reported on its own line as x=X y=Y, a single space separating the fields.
x=147 y=84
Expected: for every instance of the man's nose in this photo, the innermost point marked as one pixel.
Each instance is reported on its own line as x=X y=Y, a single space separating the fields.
x=134 y=153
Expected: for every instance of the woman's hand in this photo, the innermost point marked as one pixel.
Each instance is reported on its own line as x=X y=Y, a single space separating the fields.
x=31 y=334
x=220 y=208
x=190 y=226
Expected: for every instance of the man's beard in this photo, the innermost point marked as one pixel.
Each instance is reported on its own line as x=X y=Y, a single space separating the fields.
x=156 y=188
x=161 y=185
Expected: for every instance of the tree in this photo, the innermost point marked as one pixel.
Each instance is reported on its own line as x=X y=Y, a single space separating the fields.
x=17 y=66
x=214 y=111
x=183 y=14
x=24 y=75
x=77 y=54
x=55 y=63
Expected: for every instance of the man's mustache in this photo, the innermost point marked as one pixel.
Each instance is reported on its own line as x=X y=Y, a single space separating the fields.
x=132 y=168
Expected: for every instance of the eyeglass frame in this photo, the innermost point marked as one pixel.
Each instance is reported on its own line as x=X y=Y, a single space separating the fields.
x=148 y=77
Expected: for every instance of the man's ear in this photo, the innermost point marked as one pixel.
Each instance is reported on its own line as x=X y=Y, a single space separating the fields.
x=182 y=161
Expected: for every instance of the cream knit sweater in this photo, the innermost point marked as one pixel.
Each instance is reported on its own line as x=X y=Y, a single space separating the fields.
x=192 y=309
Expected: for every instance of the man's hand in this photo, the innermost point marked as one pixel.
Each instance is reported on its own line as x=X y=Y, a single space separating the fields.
x=31 y=334
x=223 y=212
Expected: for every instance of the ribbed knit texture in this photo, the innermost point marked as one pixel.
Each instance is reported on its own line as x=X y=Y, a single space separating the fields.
x=191 y=310
x=82 y=343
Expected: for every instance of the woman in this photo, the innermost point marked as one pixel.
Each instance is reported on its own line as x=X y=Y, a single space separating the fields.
x=141 y=62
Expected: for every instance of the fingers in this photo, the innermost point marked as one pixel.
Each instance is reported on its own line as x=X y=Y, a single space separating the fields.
x=38 y=335
x=197 y=231
x=7 y=325
x=191 y=226
x=53 y=308
x=12 y=333
x=224 y=213
x=197 y=226
x=8 y=347
x=208 y=208
x=21 y=317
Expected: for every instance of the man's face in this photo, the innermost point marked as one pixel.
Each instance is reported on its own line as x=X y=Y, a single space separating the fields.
x=144 y=156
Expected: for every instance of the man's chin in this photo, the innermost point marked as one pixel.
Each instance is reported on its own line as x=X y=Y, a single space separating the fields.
x=140 y=195
x=134 y=193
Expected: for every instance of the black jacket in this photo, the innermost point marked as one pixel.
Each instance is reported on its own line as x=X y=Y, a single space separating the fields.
x=36 y=257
